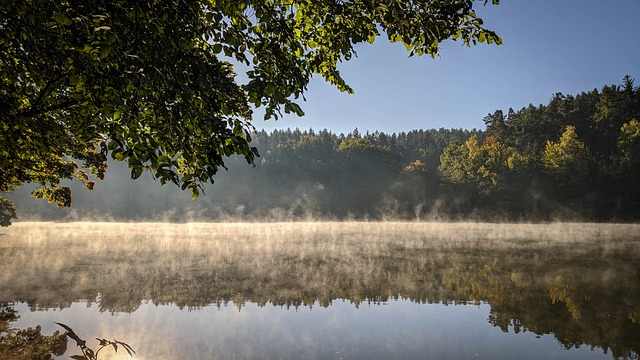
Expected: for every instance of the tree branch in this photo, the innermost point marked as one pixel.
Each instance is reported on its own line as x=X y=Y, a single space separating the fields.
x=63 y=105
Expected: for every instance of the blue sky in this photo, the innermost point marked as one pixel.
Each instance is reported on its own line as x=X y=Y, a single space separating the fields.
x=550 y=46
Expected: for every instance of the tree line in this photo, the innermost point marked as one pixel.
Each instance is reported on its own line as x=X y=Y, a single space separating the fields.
x=577 y=155
x=575 y=158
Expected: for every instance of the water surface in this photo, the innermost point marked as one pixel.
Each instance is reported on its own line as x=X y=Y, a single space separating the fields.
x=332 y=290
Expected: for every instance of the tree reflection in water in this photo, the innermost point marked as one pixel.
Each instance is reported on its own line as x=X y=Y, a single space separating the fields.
x=579 y=282
x=31 y=344
x=27 y=344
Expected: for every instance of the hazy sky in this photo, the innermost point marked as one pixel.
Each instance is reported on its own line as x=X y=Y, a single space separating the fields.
x=550 y=46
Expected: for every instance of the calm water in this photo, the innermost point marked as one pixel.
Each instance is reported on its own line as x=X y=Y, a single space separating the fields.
x=330 y=290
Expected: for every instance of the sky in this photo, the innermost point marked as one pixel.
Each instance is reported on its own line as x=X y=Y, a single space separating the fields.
x=549 y=46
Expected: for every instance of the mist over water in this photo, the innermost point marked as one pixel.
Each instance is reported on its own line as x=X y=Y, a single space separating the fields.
x=323 y=290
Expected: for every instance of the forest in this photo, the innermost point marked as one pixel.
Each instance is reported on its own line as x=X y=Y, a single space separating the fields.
x=575 y=158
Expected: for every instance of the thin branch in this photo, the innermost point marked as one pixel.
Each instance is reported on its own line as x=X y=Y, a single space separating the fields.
x=46 y=88
x=63 y=105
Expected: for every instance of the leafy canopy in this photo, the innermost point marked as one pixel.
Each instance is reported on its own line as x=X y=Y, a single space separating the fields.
x=567 y=158
x=153 y=83
x=480 y=168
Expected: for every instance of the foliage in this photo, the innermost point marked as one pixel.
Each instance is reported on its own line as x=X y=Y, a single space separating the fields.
x=496 y=126
x=475 y=167
x=578 y=151
x=629 y=144
x=453 y=163
x=88 y=353
x=568 y=159
x=628 y=162
x=30 y=344
x=7 y=212
x=27 y=344
x=616 y=106
x=7 y=314
x=153 y=84
x=416 y=167
x=358 y=152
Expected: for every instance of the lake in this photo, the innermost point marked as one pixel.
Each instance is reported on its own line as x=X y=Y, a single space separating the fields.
x=329 y=290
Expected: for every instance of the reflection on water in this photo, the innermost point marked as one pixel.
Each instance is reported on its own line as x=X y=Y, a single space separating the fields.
x=332 y=290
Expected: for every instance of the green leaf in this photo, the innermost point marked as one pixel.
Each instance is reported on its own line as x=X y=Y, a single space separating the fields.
x=136 y=172
x=111 y=37
x=118 y=156
x=61 y=19
x=105 y=51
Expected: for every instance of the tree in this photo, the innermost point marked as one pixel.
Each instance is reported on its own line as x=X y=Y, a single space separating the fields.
x=629 y=164
x=459 y=165
x=7 y=212
x=366 y=170
x=567 y=160
x=496 y=125
x=27 y=343
x=154 y=84
x=629 y=145
x=416 y=167
x=479 y=168
x=616 y=106
x=530 y=128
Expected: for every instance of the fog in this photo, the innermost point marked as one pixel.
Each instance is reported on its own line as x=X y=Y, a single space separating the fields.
x=322 y=176
x=577 y=282
x=235 y=198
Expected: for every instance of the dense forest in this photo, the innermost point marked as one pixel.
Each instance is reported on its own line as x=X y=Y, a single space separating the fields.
x=575 y=158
